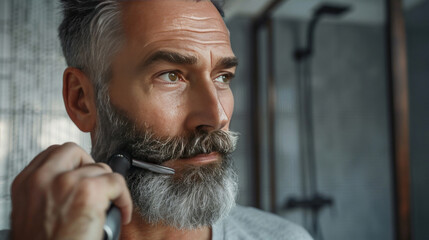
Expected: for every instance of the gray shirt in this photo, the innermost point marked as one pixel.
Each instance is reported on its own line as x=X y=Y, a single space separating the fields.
x=245 y=223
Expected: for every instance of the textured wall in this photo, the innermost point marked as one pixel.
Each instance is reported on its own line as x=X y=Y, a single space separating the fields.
x=417 y=21
x=32 y=114
x=350 y=121
x=352 y=131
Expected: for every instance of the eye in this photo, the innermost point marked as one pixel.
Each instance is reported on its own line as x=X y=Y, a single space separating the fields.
x=225 y=78
x=171 y=77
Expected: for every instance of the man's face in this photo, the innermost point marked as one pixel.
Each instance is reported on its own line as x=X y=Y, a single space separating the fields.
x=172 y=75
x=170 y=103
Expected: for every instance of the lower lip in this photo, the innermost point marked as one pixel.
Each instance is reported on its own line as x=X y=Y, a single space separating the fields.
x=201 y=158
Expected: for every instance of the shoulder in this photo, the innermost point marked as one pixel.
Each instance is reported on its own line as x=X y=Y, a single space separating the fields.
x=251 y=223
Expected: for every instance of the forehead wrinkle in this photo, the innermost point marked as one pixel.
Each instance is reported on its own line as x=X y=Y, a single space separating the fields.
x=195 y=30
x=188 y=40
x=198 y=22
x=193 y=17
x=196 y=18
x=157 y=24
x=181 y=22
x=206 y=38
x=211 y=59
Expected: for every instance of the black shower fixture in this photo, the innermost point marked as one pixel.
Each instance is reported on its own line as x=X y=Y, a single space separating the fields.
x=312 y=200
x=326 y=9
x=330 y=9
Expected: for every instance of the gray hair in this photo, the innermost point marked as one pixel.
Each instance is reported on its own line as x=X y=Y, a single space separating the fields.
x=90 y=32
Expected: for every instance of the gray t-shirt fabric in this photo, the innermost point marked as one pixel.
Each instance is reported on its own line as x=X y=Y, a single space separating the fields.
x=246 y=223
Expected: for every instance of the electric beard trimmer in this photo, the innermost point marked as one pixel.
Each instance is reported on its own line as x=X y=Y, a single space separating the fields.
x=121 y=163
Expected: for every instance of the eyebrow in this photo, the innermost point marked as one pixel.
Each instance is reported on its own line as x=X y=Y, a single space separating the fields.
x=181 y=59
x=171 y=57
x=227 y=62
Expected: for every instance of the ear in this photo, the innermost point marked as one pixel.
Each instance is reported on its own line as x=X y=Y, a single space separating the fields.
x=79 y=99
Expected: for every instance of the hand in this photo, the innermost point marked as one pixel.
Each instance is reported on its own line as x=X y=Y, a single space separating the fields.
x=64 y=194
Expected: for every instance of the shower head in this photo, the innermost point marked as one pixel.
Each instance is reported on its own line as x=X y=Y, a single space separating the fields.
x=331 y=9
x=326 y=9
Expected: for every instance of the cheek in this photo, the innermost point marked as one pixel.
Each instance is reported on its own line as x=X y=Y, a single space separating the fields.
x=154 y=107
x=164 y=113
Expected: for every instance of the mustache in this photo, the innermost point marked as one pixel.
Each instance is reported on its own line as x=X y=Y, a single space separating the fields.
x=147 y=147
x=118 y=132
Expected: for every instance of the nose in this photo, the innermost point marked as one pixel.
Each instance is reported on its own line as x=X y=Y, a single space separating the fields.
x=206 y=108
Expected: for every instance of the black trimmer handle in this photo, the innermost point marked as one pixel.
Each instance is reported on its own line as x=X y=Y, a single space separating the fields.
x=120 y=163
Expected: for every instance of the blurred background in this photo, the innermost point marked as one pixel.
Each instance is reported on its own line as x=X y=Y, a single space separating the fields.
x=331 y=105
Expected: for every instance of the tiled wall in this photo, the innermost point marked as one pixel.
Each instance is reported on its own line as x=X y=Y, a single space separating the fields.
x=32 y=114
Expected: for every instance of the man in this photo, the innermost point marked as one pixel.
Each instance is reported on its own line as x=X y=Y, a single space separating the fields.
x=150 y=78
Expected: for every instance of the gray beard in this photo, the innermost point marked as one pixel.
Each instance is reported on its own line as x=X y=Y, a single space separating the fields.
x=196 y=196
x=199 y=197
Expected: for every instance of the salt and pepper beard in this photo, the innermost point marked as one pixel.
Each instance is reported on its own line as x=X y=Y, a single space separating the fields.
x=196 y=196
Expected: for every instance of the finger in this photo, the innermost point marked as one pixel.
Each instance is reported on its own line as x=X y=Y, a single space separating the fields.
x=92 y=170
x=121 y=197
x=41 y=157
x=89 y=170
x=63 y=183
x=35 y=163
x=115 y=189
x=67 y=157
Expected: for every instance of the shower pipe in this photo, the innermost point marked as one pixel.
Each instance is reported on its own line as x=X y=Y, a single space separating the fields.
x=396 y=49
x=263 y=19
x=398 y=99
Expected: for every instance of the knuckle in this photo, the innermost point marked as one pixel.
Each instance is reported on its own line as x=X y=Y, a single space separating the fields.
x=35 y=183
x=70 y=145
x=118 y=178
x=37 y=179
x=64 y=181
x=104 y=166
x=86 y=189
x=52 y=147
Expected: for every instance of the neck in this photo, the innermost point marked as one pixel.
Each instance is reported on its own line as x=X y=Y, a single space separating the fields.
x=140 y=229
